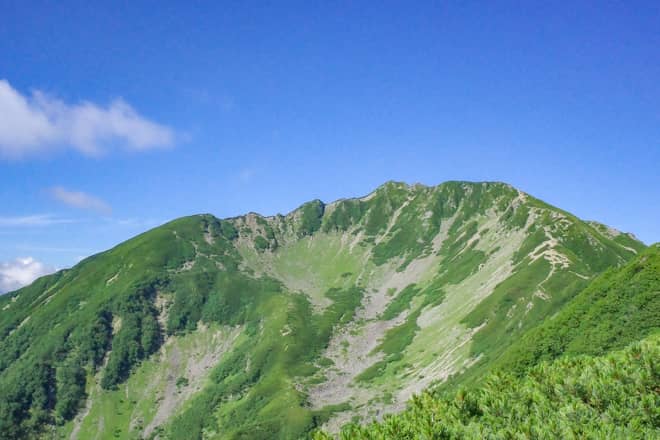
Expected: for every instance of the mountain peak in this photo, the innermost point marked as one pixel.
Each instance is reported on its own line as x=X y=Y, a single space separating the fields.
x=292 y=321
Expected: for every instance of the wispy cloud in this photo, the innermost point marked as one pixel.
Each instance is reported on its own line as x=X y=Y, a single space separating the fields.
x=148 y=223
x=21 y=272
x=34 y=220
x=37 y=220
x=80 y=200
x=53 y=249
x=34 y=124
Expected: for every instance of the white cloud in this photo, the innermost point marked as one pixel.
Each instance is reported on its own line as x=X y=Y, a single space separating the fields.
x=33 y=220
x=79 y=199
x=33 y=124
x=21 y=272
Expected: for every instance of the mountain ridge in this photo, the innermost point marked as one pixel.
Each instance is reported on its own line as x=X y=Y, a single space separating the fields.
x=329 y=312
x=595 y=360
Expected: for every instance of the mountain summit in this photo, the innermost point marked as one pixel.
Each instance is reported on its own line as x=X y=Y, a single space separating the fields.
x=270 y=327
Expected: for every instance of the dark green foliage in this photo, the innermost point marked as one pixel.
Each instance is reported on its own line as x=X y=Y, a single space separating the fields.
x=70 y=389
x=381 y=207
x=190 y=294
x=150 y=337
x=216 y=228
x=222 y=297
x=374 y=212
x=619 y=307
x=455 y=244
x=347 y=213
x=282 y=345
x=267 y=229
x=582 y=246
x=138 y=337
x=228 y=230
x=101 y=319
x=233 y=295
x=423 y=211
x=13 y=348
x=519 y=216
x=410 y=236
x=533 y=240
x=261 y=243
x=401 y=302
x=342 y=310
x=507 y=294
x=311 y=215
x=399 y=337
x=395 y=341
x=95 y=342
x=321 y=416
x=28 y=400
x=60 y=327
x=536 y=290
x=10 y=321
x=460 y=266
x=611 y=397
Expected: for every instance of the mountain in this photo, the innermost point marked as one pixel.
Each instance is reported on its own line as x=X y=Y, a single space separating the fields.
x=619 y=307
x=611 y=395
x=270 y=327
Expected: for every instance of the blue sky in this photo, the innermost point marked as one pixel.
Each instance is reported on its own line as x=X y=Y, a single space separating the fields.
x=123 y=116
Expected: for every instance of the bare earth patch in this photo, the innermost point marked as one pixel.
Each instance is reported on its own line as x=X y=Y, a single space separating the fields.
x=193 y=365
x=352 y=348
x=440 y=347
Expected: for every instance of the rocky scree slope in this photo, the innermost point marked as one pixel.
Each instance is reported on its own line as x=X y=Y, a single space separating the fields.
x=612 y=395
x=269 y=327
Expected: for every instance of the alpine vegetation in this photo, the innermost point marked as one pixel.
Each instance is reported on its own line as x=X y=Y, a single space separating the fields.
x=497 y=314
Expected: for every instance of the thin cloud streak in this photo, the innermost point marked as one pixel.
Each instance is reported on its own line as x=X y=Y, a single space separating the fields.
x=80 y=200
x=54 y=249
x=34 y=220
x=148 y=223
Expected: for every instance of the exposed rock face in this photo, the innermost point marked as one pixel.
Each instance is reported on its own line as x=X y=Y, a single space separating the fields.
x=276 y=325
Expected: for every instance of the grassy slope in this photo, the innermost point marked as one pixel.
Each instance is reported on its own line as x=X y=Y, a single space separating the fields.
x=172 y=375
x=293 y=283
x=575 y=397
x=614 y=396
x=408 y=349
x=415 y=355
x=617 y=308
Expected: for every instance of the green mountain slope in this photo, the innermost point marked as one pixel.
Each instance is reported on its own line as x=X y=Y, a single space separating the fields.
x=619 y=307
x=268 y=327
x=614 y=396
